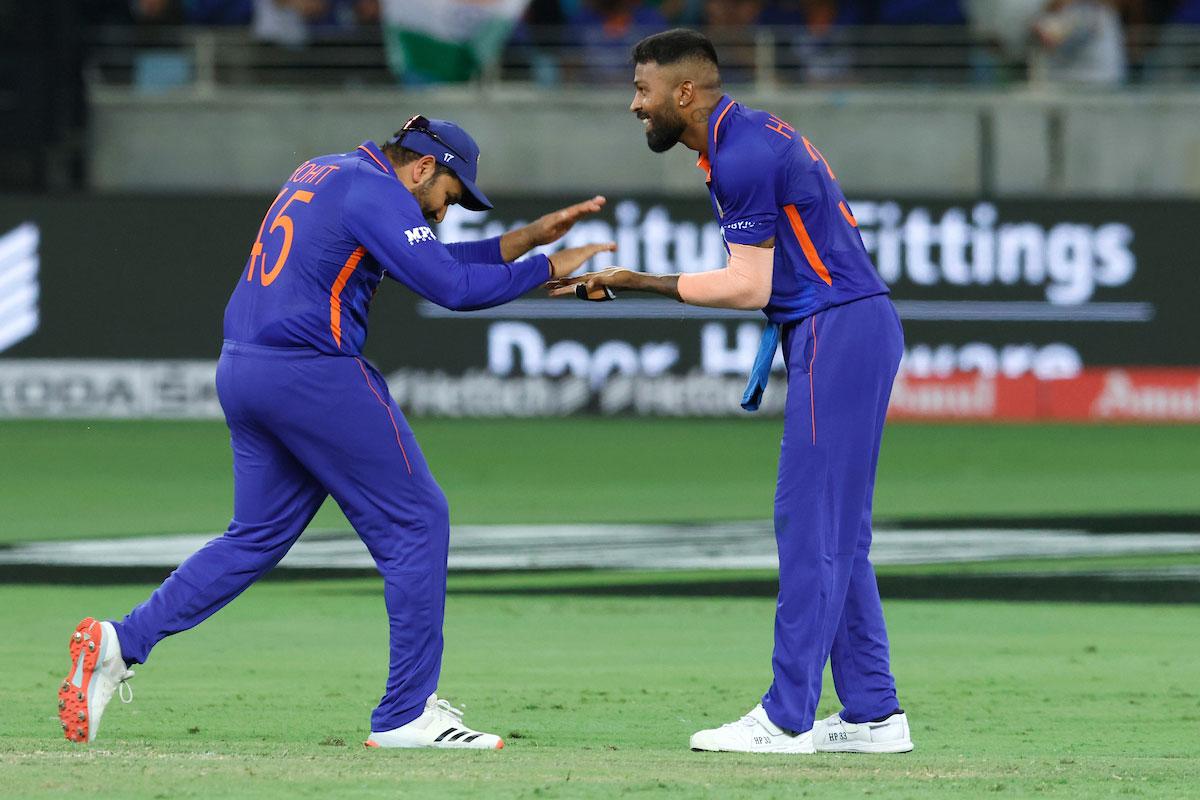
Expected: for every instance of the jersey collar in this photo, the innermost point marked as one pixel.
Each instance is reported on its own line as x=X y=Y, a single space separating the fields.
x=714 y=130
x=371 y=152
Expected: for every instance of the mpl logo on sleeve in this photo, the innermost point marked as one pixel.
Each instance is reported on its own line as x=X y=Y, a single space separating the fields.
x=18 y=284
x=421 y=234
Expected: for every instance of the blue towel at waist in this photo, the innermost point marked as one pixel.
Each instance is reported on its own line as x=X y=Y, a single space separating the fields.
x=761 y=373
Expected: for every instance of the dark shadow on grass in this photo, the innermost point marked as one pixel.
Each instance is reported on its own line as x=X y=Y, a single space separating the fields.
x=1083 y=587
x=1088 y=523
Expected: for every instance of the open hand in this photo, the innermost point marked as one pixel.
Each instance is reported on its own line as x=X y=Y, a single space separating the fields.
x=552 y=226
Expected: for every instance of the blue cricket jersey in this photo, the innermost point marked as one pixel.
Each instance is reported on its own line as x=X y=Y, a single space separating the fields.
x=767 y=180
x=339 y=224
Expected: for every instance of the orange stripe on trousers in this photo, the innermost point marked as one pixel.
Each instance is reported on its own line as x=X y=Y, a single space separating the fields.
x=812 y=397
x=335 y=294
x=806 y=244
x=388 y=409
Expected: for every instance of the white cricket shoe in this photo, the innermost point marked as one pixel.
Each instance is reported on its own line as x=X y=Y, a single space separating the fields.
x=835 y=735
x=440 y=725
x=97 y=671
x=753 y=733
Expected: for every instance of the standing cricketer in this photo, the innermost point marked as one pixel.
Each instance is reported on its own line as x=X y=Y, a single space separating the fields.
x=795 y=253
x=309 y=417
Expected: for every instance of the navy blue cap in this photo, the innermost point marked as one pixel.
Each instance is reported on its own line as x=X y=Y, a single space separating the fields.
x=452 y=147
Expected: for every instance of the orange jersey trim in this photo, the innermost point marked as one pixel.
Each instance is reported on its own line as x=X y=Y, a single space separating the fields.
x=717 y=127
x=846 y=213
x=703 y=163
x=373 y=158
x=816 y=156
x=806 y=244
x=335 y=294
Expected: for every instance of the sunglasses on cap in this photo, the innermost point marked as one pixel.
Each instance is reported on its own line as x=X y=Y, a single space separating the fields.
x=420 y=124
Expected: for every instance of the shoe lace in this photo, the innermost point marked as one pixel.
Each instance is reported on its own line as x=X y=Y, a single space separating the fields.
x=445 y=707
x=124 y=690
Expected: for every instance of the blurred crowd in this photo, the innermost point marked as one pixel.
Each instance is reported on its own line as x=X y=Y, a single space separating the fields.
x=1083 y=41
x=282 y=21
x=620 y=13
x=1077 y=41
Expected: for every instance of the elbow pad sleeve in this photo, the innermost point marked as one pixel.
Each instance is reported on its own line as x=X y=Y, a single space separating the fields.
x=744 y=283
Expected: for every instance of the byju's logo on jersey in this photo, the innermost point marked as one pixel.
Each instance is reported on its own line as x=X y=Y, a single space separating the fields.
x=421 y=234
x=18 y=284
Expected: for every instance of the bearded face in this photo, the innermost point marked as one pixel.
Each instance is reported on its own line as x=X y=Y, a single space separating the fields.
x=663 y=128
x=424 y=195
x=656 y=102
x=436 y=194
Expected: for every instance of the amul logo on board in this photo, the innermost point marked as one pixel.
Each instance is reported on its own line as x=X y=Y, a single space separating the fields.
x=18 y=284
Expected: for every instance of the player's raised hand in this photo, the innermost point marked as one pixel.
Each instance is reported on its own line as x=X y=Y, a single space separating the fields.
x=546 y=229
x=552 y=226
x=564 y=262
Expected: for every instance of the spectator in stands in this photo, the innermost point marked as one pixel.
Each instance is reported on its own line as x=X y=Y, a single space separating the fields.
x=822 y=52
x=366 y=12
x=294 y=22
x=1185 y=12
x=1003 y=30
x=157 y=12
x=604 y=31
x=277 y=22
x=534 y=48
x=731 y=24
x=921 y=12
x=809 y=48
x=1008 y=24
x=733 y=13
x=678 y=12
x=193 y=12
x=218 y=12
x=1080 y=42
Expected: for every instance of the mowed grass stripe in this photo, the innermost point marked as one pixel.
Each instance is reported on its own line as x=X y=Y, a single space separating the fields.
x=597 y=696
x=72 y=479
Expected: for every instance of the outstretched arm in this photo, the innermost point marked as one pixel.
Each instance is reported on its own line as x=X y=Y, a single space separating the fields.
x=745 y=283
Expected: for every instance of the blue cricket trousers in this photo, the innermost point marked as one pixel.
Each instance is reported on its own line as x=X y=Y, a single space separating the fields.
x=840 y=363
x=304 y=426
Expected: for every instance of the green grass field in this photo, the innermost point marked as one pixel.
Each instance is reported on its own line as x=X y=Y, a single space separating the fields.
x=80 y=479
x=597 y=696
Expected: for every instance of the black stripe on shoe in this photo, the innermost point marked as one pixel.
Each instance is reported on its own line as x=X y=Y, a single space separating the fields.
x=472 y=737
x=458 y=735
x=445 y=733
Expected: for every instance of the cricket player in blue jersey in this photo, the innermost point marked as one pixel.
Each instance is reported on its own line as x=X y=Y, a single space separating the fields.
x=795 y=253
x=309 y=417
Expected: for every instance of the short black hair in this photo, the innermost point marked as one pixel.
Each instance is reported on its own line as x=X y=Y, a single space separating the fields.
x=671 y=47
x=403 y=156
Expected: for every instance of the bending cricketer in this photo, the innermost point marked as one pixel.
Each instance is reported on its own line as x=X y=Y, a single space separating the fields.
x=795 y=253
x=309 y=417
